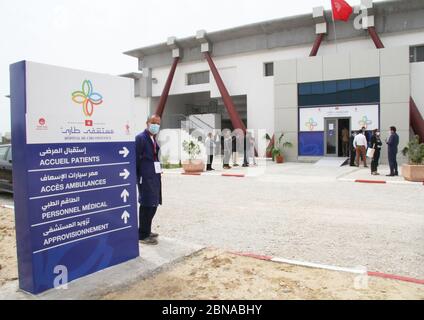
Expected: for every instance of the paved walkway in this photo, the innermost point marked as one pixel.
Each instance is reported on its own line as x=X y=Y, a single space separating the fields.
x=302 y=212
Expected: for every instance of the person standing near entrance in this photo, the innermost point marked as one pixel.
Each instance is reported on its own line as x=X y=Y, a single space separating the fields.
x=345 y=142
x=234 y=145
x=376 y=145
x=227 y=149
x=393 y=144
x=149 y=182
x=352 y=149
x=210 y=151
x=360 y=144
x=251 y=143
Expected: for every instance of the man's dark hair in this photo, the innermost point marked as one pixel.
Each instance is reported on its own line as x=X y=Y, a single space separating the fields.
x=393 y=129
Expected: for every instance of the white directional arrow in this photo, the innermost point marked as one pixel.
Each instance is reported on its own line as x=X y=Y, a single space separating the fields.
x=125 y=216
x=124 y=195
x=125 y=174
x=124 y=152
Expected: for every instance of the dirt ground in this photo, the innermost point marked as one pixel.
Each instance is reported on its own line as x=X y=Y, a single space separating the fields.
x=8 y=262
x=217 y=275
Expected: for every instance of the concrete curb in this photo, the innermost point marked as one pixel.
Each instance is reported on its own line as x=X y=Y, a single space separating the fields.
x=410 y=183
x=330 y=267
x=152 y=260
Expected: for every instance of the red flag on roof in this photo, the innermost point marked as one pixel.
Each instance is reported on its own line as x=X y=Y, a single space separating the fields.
x=341 y=10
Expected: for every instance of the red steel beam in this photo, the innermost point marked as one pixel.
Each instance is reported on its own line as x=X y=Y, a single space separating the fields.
x=317 y=45
x=165 y=93
x=416 y=119
x=374 y=36
x=228 y=102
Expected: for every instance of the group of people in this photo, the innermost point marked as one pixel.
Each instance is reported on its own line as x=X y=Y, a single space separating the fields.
x=361 y=146
x=149 y=169
x=232 y=144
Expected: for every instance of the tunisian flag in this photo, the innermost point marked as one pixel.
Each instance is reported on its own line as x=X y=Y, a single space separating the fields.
x=341 y=10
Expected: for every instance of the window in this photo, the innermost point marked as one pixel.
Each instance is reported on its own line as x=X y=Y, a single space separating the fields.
x=3 y=152
x=339 y=92
x=197 y=78
x=269 y=69
x=416 y=53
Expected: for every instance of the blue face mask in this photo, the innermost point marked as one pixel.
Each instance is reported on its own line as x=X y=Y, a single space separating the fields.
x=154 y=128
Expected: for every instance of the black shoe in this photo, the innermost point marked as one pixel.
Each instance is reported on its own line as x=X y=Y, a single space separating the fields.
x=390 y=175
x=236 y=165
x=149 y=241
x=154 y=235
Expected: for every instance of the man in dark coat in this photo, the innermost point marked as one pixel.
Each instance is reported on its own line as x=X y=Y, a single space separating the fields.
x=352 y=149
x=393 y=143
x=148 y=179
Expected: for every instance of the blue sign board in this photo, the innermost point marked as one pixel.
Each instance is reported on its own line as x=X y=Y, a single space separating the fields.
x=73 y=173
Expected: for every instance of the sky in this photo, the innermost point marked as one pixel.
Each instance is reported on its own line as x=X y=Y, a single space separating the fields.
x=92 y=34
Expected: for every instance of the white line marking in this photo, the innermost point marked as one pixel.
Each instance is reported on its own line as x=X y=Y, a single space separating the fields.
x=317 y=265
x=81 y=167
x=79 y=191
x=80 y=215
x=95 y=235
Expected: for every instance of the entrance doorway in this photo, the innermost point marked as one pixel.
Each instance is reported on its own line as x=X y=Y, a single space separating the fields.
x=337 y=134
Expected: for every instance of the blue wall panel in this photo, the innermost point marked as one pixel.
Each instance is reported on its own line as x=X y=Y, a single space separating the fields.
x=311 y=143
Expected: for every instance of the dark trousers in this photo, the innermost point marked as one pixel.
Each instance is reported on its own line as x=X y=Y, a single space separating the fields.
x=393 y=163
x=210 y=161
x=146 y=215
x=352 y=157
x=375 y=160
x=345 y=149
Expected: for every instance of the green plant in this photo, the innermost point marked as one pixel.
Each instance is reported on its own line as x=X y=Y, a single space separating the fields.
x=414 y=151
x=192 y=148
x=277 y=149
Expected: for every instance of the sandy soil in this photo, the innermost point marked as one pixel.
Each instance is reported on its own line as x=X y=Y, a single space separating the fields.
x=8 y=262
x=214 y=274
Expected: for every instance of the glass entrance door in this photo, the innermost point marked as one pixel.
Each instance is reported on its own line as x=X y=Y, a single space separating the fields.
x=331 y=138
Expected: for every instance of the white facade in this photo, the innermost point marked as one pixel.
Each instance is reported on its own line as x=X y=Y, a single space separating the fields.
x=271 y=101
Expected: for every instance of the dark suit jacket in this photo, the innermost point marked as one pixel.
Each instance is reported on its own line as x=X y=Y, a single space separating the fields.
x=150 y=189
x=393 y=143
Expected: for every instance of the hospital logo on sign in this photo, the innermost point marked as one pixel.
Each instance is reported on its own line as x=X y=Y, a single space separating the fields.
x=42 y=124
x=87 y=98
x=365 y=122
x=311 y=124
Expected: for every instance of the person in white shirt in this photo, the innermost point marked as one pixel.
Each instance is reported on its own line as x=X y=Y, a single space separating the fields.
x=210 y=150
x=360 y=144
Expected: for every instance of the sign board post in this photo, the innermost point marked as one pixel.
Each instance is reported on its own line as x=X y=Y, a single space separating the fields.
x=73 y=173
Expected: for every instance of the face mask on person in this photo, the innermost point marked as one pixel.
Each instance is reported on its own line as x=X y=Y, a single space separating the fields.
x=154 y=128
